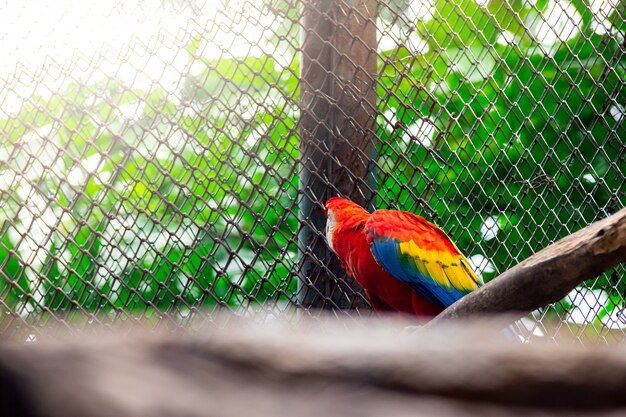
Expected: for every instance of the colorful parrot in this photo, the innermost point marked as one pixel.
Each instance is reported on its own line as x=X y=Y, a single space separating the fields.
x=404 y=263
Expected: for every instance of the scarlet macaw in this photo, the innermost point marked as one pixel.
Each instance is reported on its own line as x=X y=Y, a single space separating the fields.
x=403 y=262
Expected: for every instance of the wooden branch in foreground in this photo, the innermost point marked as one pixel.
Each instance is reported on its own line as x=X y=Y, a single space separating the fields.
x=344 y=368
x=550 y=274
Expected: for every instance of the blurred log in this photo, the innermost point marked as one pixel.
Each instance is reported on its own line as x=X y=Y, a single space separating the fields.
x=549 y=275
x=338 y=370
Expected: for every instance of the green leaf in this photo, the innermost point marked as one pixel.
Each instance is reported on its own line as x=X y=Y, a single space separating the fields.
x=458 y=23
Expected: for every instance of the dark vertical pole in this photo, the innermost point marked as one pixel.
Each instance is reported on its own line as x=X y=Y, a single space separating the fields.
x=338 y=108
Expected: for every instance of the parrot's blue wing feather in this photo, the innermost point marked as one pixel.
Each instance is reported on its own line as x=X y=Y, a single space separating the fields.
x=419 y=253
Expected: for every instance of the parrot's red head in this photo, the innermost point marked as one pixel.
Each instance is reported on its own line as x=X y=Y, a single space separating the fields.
x=342 y=213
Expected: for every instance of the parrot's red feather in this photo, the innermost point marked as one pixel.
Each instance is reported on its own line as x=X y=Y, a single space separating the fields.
x=404 y=226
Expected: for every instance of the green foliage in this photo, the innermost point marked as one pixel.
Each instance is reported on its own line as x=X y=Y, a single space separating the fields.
x=529 y=137
x=138 y=191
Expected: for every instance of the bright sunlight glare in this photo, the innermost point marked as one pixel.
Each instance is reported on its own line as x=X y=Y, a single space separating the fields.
x=137 y=41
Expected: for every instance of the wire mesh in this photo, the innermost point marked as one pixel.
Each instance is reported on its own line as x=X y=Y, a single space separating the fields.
x=151 y=166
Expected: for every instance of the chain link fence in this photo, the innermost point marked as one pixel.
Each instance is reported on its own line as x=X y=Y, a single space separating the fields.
x=161 y=159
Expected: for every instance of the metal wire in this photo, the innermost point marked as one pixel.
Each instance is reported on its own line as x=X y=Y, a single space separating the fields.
x=151 y=166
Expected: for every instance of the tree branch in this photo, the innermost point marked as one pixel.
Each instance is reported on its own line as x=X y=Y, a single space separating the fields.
x=548 y=275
